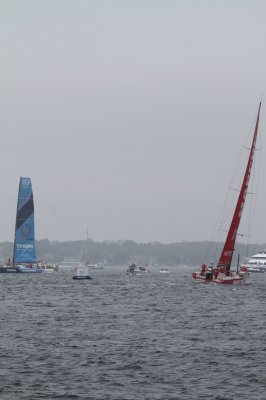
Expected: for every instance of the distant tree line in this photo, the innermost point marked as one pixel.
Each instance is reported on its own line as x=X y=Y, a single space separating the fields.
x=124 y=252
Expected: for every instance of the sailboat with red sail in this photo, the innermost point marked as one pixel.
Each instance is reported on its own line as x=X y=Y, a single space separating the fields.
x=222 y=273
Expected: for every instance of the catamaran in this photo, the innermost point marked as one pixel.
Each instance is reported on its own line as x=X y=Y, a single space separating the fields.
x=222 y=273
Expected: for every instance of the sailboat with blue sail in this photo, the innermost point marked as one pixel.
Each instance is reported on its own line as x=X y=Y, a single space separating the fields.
x=24 y=252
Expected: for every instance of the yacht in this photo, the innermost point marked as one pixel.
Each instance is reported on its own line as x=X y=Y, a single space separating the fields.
x=256 y=263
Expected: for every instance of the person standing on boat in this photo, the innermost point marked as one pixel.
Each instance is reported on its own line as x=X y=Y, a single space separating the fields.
x=216 y=272
x=203 y=269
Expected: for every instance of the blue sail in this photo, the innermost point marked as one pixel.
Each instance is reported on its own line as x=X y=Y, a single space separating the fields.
x=24 y=244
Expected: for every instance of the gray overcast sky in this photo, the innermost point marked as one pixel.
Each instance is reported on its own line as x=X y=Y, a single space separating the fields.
x=128 y=115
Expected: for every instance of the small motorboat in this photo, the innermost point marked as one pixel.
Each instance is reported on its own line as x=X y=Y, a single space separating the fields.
x=164 y=271
x=133 y=269
x=82 y=272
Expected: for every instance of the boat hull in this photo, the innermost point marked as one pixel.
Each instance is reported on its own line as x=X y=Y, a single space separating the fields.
x=81 y=278
x=28 y=270
x=7 y=270
x=259 y=270
x=222 y=280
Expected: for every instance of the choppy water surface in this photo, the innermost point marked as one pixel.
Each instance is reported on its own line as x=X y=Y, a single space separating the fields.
x=131 y=337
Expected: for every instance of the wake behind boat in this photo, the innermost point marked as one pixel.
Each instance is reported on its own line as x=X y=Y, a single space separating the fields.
x=222 y=273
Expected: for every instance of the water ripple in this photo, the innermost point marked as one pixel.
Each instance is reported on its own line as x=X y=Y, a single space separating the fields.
x=120 y=337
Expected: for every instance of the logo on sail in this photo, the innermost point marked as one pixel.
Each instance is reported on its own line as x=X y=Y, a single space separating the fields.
x=25 y=246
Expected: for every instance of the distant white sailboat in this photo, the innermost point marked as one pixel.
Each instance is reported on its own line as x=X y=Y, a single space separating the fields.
x=87 y=263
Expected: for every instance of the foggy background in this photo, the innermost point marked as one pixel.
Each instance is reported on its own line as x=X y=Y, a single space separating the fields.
x=129 y=116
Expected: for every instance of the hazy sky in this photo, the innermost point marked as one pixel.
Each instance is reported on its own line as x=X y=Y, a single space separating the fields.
x=128 y=115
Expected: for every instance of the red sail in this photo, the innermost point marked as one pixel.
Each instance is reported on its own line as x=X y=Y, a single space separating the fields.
x=227 y=253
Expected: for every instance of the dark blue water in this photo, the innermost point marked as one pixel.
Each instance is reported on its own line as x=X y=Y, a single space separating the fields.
x=131 y=337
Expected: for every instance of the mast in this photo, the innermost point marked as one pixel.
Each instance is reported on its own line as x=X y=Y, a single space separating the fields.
x=227 y=253
x=87 y=244
x=14 y=244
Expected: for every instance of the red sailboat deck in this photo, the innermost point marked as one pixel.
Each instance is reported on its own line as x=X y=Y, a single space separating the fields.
x=221 y=279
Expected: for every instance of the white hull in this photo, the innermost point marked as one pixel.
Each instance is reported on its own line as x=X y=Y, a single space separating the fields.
x=256 y=263
x=95 y=266
x=82 y=272
x=164 y=271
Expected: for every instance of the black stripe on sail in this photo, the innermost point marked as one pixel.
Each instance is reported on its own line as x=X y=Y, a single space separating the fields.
x=25 y=212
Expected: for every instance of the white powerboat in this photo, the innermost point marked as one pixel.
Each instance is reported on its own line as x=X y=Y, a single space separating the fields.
x=133 y=269
x=82 y=272
x=256 y=263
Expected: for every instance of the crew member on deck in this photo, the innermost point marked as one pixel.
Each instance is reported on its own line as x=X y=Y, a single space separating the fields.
x=203 y=269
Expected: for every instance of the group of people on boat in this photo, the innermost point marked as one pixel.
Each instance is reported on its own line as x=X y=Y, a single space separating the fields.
x=212 y=273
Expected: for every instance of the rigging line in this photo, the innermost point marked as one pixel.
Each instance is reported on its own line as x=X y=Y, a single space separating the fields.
x=238 y=234
x=248 y=148
x=238 y=190
x=253 y=203
x=241 y=157
x=223 y=215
